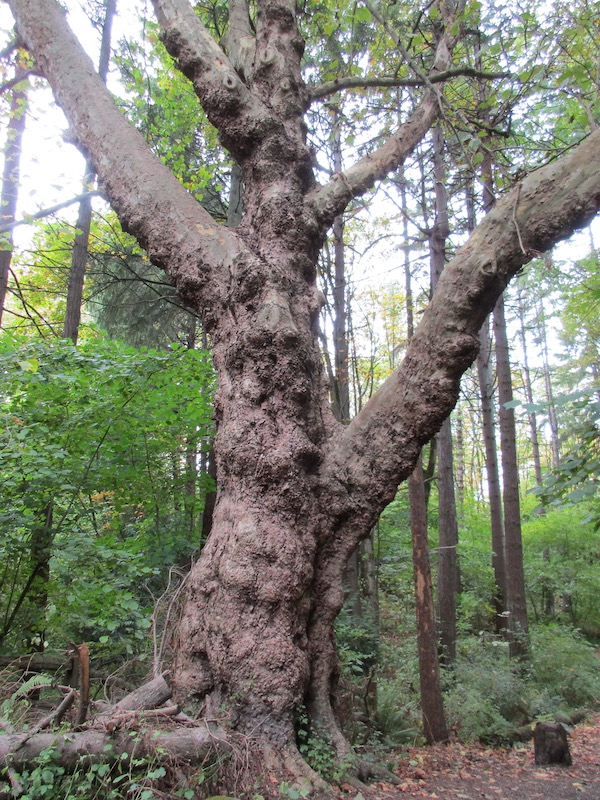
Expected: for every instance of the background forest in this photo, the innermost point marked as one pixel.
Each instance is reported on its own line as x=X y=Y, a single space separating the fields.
x=106 y=383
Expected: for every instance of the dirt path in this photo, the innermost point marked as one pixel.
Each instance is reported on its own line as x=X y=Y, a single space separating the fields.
x=458 y=772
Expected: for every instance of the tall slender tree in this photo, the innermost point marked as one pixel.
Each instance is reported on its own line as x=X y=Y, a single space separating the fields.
x=448 y=574
x=432 y=705
x=84 y=217
x=518 y=626
x=10 y=175
x=528 y=386
x=552 y=419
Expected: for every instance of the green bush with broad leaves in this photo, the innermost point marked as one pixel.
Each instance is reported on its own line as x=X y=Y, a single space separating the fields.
x=99 y=446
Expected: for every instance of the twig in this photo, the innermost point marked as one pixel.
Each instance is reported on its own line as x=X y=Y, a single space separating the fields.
x=57 y=713
x=17 y=788
x=45 y=212
x=158 y=655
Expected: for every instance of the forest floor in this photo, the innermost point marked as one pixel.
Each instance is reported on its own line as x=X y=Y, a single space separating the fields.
x=460 y=772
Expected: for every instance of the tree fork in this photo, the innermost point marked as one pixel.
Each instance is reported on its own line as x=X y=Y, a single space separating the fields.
x=297 y=491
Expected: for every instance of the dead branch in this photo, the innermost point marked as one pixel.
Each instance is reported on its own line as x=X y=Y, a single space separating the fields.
x=149 y=696
x=127 y=718
x=45 y=212
x=46 y=721
x=83 y=656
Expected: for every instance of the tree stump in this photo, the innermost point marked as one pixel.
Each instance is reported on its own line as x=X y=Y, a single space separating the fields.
x=550 y=744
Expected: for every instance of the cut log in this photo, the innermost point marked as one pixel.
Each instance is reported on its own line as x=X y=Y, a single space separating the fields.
x=36 y=662
x=150 y=695
x=188 y=744
x=551 y=745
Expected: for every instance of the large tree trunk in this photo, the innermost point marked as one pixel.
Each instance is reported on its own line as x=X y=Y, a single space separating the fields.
x=297 y=490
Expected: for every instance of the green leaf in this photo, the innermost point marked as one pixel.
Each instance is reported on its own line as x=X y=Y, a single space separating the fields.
x=362 y=14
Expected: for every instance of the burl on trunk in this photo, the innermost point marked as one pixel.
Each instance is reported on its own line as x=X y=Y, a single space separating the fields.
x=297 y=491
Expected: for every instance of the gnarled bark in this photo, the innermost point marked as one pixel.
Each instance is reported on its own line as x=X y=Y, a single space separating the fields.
x=297 y=490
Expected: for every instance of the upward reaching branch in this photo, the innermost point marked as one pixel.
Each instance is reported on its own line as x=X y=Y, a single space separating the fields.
x=331 y=199
x=228 y=102
x=176 y=231
x=239 y=39
x=386 y=436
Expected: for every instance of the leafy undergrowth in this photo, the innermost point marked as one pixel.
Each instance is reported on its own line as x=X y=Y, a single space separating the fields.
x=474 y=772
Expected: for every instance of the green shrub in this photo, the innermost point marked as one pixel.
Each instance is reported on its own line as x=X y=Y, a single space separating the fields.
x=398 y=713
x=565 y=666
x=487 y=695
x=472 y=716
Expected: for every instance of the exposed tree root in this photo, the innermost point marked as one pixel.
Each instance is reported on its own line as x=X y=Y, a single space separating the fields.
x=365 y=770
x=115 y=732
x=294 y=769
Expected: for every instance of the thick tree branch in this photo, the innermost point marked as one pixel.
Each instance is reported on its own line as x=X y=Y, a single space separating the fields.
x=380 y=446
x=178 y=234
x=340 y=84
x=332 y=198
x=230 y=106
x=239 y=39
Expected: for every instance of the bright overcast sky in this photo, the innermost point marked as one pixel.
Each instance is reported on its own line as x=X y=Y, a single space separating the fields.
x=52 y=169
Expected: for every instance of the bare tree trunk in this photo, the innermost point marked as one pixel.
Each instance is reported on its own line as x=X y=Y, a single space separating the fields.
x=448 y=583
x=79 y=257
x=341 y=387
x=486 y=389
x=370 y=577
x=210 y=497
x=552 y=419
x=513 y=549
x=460 y=460
x=10 y=175
x=191 y=481
x=235 y=210
x=535 y=446
x=448 y=575
x=432 y=707
x=340 y=380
